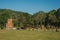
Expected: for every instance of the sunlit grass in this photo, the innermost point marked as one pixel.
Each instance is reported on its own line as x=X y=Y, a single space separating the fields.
x=28 y=35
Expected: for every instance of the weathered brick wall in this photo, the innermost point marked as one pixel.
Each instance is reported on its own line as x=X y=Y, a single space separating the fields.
x=9 y=24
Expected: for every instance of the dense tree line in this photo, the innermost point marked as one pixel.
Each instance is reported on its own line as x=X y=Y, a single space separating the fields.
x=23 y=19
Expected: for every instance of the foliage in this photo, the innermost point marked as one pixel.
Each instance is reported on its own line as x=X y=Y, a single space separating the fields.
x=24 y=19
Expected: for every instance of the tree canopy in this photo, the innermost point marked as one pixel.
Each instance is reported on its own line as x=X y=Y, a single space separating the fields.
x=24 y=19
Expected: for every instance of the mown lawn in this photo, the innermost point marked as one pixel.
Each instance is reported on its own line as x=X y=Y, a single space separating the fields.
x=28 y=35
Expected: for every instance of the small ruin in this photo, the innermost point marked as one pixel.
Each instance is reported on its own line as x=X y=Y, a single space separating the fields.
x=9 y=24
x=43 y=27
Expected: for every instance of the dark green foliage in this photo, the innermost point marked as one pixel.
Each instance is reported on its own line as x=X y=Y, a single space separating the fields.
x=23 y=19
x=3 y=18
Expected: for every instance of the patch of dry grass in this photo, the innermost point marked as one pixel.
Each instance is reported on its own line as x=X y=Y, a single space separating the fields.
x=28 y=35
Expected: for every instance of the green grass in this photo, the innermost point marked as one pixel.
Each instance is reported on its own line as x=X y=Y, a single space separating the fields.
x=28 y=35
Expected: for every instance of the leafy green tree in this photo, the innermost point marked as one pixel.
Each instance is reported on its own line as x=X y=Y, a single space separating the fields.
x=52 y=18
x=3 y=19
x=58 y=16
x=39 y=18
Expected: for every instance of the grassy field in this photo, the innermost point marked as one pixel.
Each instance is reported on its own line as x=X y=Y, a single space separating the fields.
x=28 y=35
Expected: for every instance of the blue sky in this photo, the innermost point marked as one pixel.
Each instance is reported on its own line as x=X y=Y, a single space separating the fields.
x=30 y=6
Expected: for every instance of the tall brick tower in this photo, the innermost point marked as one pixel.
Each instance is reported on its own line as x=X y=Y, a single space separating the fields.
x=9 y=24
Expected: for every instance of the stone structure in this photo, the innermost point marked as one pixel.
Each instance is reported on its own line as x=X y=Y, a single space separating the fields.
x=9 y=24
x=43 y=27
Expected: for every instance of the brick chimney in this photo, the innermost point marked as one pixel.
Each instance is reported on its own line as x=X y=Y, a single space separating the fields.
x=9 y=24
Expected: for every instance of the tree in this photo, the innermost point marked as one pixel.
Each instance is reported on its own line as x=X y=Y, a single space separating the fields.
x=3 y=19
x=39 y=18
